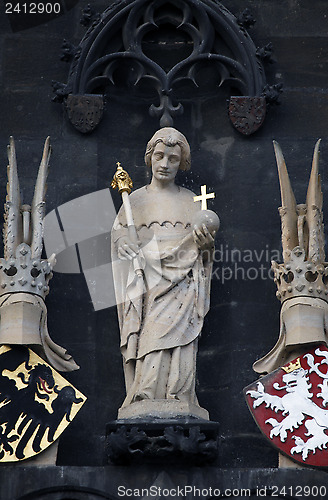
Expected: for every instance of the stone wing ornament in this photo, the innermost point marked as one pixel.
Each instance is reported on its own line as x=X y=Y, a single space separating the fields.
x=24 y=275
x=302 y=277
x=36 y=403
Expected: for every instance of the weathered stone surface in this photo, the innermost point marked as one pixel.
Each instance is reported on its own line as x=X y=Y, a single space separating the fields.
x=165 y=238
x=243 y=322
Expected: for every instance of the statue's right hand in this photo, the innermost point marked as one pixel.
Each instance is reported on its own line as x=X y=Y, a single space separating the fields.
x=126 y=249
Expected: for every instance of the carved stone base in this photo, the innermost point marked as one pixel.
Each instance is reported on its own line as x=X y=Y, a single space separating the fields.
x=185 y=439
x=162 y=408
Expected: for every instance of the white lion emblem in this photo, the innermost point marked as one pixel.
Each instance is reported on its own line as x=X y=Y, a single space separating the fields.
x=297 y=405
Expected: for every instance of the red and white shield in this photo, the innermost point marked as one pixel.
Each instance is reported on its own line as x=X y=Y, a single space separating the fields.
x=290 y=405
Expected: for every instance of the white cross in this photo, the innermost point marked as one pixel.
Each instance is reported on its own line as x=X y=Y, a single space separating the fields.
x=204 y=197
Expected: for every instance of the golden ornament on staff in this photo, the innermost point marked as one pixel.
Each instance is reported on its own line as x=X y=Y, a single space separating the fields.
x=123 y=182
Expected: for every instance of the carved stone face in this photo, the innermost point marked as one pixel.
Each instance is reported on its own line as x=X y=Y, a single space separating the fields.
x=165 y=162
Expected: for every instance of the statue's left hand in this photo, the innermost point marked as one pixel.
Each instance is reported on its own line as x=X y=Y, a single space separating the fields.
x=203 y=237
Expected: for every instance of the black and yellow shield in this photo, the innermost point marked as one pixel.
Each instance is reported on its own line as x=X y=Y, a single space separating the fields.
x=36 y=404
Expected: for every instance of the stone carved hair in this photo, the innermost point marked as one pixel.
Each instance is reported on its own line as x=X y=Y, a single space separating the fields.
x=170 y=137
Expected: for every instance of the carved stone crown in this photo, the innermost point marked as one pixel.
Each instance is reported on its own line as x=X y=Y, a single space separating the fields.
x=300 y=277
x=25 y=274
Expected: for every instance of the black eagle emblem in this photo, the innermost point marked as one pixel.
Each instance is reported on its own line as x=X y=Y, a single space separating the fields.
x=36 y=403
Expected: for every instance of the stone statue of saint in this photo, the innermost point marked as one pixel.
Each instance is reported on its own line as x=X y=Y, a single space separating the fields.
x=161 y=312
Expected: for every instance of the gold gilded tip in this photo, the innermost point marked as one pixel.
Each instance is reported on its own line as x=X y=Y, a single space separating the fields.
x=121 y=180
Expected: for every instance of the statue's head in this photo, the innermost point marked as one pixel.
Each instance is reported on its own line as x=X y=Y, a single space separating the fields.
x=170 y=137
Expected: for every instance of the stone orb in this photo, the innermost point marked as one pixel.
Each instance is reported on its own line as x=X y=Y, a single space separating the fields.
x=209 y=218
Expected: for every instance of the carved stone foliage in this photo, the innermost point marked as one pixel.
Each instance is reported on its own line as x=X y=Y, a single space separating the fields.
x=194 y=441
x=163 y=51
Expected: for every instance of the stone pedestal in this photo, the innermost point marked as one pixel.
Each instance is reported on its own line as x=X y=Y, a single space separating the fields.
x=154 y=440
x=162 y=408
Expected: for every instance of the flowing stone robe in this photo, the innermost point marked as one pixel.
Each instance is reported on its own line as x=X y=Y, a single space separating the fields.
x=161 y=315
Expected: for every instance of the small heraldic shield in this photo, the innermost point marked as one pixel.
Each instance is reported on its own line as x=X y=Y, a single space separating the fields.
x=36 y=404
x=290 y=405
x=85 y=111
x=247 y=113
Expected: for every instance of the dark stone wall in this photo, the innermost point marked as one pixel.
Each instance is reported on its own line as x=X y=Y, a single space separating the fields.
x=243 y=323
x=101 y=483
